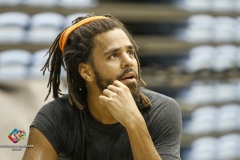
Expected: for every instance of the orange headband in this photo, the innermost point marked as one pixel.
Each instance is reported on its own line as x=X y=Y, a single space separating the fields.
x=66 y=33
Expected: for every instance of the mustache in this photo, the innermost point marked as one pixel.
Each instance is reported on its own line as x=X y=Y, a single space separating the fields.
x=124 y=72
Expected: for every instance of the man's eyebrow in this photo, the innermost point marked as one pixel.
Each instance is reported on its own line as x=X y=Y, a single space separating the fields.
x=111 y=51
x=130 y=47
x=116 y=50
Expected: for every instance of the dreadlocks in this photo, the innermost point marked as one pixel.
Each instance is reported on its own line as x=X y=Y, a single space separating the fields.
x=78 y=50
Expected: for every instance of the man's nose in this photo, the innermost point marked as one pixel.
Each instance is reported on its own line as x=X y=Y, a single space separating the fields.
x=127 y=60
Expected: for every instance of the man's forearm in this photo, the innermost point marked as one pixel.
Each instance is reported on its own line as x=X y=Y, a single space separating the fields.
x=141 y=141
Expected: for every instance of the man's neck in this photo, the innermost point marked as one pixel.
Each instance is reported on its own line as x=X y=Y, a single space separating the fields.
x=99 y=112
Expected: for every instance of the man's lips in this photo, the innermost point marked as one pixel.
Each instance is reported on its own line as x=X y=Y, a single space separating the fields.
x=129 y=75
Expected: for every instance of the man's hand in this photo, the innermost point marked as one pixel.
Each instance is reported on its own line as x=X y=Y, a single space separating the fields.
x=119 y=100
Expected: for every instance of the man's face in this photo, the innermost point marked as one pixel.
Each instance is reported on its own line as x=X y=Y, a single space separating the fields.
x=114 y=59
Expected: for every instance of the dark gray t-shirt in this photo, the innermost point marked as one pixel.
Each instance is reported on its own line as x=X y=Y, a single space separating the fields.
x=75 y=134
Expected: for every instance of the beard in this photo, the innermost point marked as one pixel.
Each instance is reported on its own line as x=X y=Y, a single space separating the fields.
x=103 y=82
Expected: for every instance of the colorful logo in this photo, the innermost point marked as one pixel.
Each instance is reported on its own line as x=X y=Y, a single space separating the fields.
x=16 y=135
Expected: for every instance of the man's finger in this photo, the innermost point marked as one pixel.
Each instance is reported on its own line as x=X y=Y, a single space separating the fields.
x=112 y=88
x=103 y=100
x=107 y=92
x=118 y=83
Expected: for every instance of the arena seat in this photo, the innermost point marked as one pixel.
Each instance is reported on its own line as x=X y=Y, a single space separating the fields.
x=226 y=58
x=38 y=59
x=14 y=19
x=10 y=2
x=229 y=119
x=44 y=27
x=69 y=18
x=224 y=29
x=194 y=5
x=203 y=121
x=203 y=148
x=78 y=3
x=228 y=147
x=199 y=58
x=12 y=26
x=222 y=5
x=14 y=64
x=198 y=29
x=40 y=3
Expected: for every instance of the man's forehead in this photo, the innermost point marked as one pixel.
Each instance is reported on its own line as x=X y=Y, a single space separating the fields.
x=112 y=39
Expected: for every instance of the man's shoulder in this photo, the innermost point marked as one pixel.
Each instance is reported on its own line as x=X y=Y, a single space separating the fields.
x=153 y=95
x=158 y=99
x=56 y=101
x=57 y=105
x=61 y=100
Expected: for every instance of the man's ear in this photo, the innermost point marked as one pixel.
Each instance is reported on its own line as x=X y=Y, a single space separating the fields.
x=85 y=71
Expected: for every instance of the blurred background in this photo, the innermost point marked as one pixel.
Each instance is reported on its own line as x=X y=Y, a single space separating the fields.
x=189 y=50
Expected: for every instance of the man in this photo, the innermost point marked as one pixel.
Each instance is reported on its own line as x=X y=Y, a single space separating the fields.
x=106 y=114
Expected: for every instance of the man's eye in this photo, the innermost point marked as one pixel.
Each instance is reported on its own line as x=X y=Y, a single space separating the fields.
x=131 y=52
x=114 y=55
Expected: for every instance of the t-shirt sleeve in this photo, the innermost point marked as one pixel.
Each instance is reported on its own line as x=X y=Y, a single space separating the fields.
x=48 y=122
x=165 y=127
